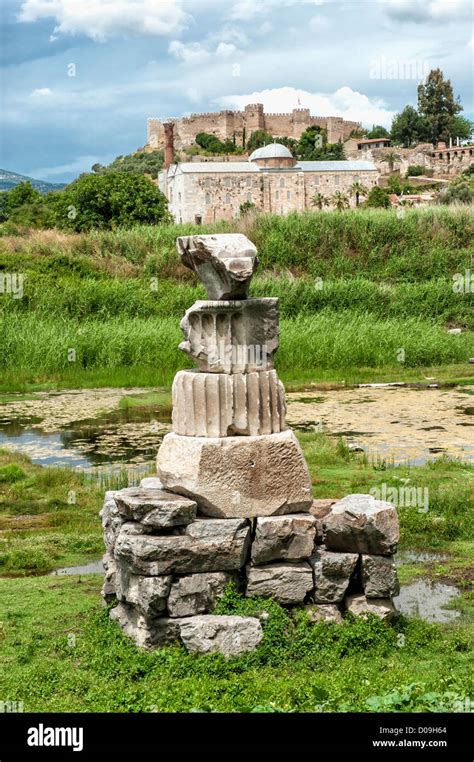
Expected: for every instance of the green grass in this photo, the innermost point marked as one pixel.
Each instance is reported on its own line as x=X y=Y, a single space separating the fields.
x=425 y=244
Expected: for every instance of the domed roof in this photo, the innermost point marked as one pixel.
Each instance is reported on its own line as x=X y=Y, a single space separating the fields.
x=271 y=151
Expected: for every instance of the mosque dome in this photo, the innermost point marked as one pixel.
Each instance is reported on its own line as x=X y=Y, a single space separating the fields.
x=271 y=151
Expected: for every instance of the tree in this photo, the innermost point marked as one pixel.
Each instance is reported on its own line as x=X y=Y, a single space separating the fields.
x=312 y=142
x=246 y=207
x=357 y=190
x=391 y=158
x=313 y=146
x=378 y=131
x=111 y=200
x=436 y=102
x=462 y=128
x=409 y=128
x=319 y=200
x=457 y=192
x=378 y=198
x=141 y=162
x=22 y=194
x=340 y=201
x=258 y=139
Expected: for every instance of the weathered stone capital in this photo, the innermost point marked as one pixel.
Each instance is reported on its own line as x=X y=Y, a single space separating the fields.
x=224 y=262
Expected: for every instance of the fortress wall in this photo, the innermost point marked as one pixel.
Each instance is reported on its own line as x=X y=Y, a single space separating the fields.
x=223 y=124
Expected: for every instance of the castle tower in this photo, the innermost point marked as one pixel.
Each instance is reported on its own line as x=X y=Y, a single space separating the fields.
x=254 y=118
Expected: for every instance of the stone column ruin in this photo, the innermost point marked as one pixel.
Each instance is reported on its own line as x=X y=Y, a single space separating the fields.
x=233 y=498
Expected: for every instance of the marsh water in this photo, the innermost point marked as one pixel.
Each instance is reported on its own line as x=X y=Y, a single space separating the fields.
x=93 y=430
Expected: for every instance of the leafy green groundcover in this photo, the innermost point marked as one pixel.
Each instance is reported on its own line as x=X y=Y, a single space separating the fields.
x=59 y=652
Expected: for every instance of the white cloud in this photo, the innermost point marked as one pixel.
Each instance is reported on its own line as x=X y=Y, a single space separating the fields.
x=101 y=19
x=422 y=11
x=318 y=22
x=42 y=92
x=243 y=10
x=225 y=49
x=344 y=102
x=195 y=53
x=190 y=53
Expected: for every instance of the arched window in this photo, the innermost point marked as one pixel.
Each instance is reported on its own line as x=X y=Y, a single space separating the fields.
x=227 y=198
x=282 y=182
x=288 y=195
x=228 y=182
x=207 y=182
x=249 y=198
x=277 y=195
x=336 y=180
x=208 y=198
x=249 y=181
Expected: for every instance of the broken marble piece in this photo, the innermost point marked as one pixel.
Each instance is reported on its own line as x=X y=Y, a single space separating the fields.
x=361 y=524
x=359 y=605
x=324 y=612
x=220 y=404
x=228 y=635
x=225 y=263
x=232 y=477
x=332 y=574
x=280 y=538
x=195 y=594
x=232 y=336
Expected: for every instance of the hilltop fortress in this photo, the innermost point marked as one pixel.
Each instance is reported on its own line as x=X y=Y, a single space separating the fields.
x=241 y=124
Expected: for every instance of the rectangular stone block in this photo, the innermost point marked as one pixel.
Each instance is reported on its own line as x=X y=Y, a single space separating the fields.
x=237 y=476
x=206 y=545
x=379 y=576
x=111 y=520
x=147 y=594
x=289 y=537
x=197 y=593
x=361 y=524
x=146 y=633
x=156 y=508
x=284 y=582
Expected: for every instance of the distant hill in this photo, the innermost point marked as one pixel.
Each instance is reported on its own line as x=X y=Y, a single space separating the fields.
x=8 y=180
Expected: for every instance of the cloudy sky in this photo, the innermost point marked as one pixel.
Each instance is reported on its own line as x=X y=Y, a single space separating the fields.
x=80 y=77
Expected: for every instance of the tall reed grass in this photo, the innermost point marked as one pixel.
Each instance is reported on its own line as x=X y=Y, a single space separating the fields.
x=327 y=339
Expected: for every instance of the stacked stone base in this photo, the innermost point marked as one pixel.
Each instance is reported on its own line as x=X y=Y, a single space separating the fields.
x=167 y=566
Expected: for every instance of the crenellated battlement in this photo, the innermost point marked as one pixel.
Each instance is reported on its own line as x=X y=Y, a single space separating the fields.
x=239 y=124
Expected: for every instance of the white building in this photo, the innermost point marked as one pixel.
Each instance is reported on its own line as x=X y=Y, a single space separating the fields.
x=271 y=179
